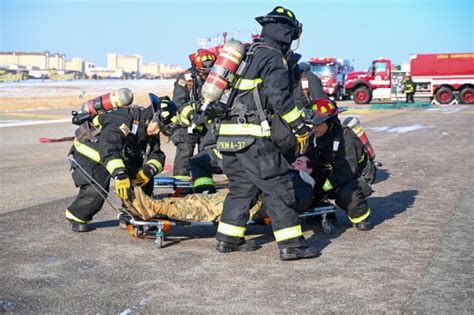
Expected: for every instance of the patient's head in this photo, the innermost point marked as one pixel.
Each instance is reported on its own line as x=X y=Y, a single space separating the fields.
x=303 y=163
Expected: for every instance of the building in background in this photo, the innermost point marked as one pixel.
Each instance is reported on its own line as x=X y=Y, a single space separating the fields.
x=33 y=60
x=131 y=65
x=75 y=64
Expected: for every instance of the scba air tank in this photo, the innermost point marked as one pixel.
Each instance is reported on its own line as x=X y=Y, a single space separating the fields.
x=356 y=126
x=113 y=100
x=223 y=72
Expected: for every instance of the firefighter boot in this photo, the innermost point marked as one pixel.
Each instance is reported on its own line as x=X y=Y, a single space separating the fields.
x=365 y=225
x=294 y=253
x=244 y=246
x=77 y=225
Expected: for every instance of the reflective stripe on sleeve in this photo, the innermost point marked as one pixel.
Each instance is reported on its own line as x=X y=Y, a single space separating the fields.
x=87 y=151
x=243 y=130
x=114 y=164
x=327 y=185
x=247 y=84
x=361 y=218
x=157 y=164
x=288 y=233
x=292 y=115
x=231 y=230
x=201 y=181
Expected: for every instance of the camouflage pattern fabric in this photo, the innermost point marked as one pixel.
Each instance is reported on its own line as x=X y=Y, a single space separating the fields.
x=193 y=207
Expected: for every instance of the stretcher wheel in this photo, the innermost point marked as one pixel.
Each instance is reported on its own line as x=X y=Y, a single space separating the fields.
x=159 y=238
x=122 y=224
x=137 y=231
x=328 y=227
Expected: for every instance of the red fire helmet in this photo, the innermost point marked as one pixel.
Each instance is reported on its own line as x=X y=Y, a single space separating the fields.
x=203 y=59
x=323 y=110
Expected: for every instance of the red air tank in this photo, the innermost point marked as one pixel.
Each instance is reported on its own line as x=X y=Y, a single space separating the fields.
x=113 y=100
x=356 y=126
x=223 y=72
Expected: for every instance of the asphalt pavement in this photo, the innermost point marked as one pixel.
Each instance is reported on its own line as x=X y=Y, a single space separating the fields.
x=417 y=259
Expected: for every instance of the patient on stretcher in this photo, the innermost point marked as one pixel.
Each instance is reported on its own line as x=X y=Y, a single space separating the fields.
x=208 y=208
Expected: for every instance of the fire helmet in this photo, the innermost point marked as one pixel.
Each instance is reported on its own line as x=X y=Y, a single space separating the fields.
x=324 y=110
x=165 y=114
x=203 y=59
x=282 y=15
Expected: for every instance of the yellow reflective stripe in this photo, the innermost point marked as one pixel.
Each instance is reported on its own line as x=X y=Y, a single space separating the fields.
x=217 y=153
x=157 y=164
x=362 y=158
x=361 y=218
x=114 y=164
x=201 y=181
x=72 y=217
x=96 y=122
x=231 y=230
x=247 y=84
x=87 y=151
x=292 y=115
x=327 y=185
x=243 y=130
x=288 y=233
x=186 y=110
x=182 y=177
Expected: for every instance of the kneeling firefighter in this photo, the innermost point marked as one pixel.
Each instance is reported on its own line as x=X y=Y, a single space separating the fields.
x=344 y=158
x=122 y=144
x=252 y=162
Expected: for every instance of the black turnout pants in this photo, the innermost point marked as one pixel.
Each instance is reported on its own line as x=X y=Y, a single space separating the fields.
x=185 y=144
x=259 y=168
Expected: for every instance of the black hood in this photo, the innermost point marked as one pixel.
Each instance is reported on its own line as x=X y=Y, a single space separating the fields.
x=334 y=130
x=279 y=33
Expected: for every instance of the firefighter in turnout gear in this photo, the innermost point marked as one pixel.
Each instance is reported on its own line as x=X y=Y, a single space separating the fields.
x=342 y=154
x=409 y=87
x=307 y=87
x=252 y=162
x=187 y=95
x=122 y=144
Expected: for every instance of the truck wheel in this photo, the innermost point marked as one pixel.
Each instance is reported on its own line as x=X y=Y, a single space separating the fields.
x=467 y=96
x=362 y=95
x=444 y=95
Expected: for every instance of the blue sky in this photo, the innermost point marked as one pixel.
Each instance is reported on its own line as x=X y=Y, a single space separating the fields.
x=167 y=31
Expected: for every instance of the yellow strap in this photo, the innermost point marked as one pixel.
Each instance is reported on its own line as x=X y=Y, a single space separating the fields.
x=201 y=181
x=182 y=177
x=288 y=233
x=96 y=122
x=157 y=164
x=292 y=115
x=362 y=158
x=114 y=164
x=87 y=151
x=231 y=230
x=361 y=218
x=327 y=185
x=247 y=84
x=243 y=130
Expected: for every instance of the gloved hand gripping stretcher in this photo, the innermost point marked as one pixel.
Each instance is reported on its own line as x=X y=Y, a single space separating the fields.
x=147 y=217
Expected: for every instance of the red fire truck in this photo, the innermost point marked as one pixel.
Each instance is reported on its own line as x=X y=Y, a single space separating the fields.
x=436 y=75
x=332 y=72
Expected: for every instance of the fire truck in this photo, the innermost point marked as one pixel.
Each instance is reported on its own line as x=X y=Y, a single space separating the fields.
x=332 y=72
x=439 y=76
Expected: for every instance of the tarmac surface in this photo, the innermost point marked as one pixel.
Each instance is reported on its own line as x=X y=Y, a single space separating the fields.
x=418 y=258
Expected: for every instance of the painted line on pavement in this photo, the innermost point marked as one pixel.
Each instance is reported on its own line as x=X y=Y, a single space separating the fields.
x=45 y=116
x=17 y=123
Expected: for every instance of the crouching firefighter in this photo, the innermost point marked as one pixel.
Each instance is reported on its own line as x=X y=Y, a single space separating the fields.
x=251 y=161
x=122 y=144
x=343 y=156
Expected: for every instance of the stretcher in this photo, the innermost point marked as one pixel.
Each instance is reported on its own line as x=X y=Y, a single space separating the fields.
x=158 y=228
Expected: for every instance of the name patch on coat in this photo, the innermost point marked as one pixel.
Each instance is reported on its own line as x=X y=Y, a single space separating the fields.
x=124 y=128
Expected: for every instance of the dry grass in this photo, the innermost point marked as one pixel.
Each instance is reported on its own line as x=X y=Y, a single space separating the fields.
x=64 y=101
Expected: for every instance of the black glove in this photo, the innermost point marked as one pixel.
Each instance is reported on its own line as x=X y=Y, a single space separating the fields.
x=216 y=110
x=199 y=119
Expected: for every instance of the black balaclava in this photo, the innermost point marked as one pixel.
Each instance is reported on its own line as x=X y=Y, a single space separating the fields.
x=280 y=34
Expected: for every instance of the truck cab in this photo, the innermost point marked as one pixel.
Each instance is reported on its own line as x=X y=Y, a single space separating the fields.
x=332 y=72
x=375 y=83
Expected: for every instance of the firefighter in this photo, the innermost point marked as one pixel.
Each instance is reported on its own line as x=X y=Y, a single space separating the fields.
x=252 y=162
x=343 y=157
x=187 y=95
x=122 y=144
x=409 y=89
x=307 y=87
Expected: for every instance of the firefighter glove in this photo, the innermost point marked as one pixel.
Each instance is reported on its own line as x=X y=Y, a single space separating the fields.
x=144 y=175
x=302 y=136
x=122 y=186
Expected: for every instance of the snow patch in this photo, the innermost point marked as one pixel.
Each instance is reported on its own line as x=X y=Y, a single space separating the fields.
x=401 y=129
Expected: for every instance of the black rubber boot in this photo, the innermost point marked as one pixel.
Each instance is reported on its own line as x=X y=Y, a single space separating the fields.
x=365 y=225
x=294 y=253
x=79 y=227
x=245 y=246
